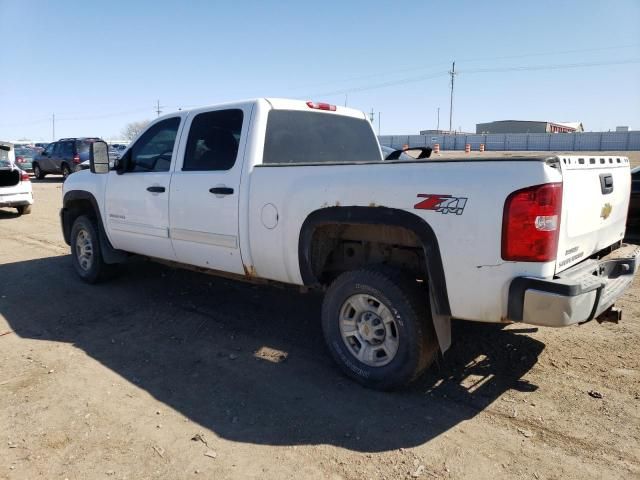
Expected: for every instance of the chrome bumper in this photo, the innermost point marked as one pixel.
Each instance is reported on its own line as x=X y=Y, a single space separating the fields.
x=577 y=295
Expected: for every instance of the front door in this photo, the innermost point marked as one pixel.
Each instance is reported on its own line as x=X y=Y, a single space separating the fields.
x=205 y=189
x=137 y=197
x=46 y=159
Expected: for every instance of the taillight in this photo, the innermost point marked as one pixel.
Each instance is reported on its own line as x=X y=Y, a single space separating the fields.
x=19 y=159
x=531 y=223
x=321 y=106
x=24 y=176
x=76 y=158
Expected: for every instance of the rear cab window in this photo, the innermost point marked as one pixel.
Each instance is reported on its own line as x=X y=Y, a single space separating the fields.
x=295 y=137
x=213 y=142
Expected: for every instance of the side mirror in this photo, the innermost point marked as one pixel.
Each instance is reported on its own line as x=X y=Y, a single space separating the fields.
x=99 y=157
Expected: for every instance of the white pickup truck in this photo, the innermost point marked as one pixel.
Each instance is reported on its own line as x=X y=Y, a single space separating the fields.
x=298 y=193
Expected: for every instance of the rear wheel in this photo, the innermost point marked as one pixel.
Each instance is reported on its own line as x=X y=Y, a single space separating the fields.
x=86 y=252
x=37 y=172
x=378 y=328
x=24 y=209
x=66 y=171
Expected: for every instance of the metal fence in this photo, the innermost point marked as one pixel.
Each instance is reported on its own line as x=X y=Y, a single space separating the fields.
x=586 y=141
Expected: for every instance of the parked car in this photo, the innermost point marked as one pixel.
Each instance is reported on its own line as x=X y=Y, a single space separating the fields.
x=15 y=185
x=299 y=193
x=24 y=158
x=62 y=157
x=633 y=217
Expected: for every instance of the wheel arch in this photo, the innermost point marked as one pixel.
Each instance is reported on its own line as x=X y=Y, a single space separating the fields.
x=81 y=202
x=381 y=216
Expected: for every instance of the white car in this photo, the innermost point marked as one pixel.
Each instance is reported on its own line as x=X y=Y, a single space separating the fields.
x=15 y=184
x=300 y=193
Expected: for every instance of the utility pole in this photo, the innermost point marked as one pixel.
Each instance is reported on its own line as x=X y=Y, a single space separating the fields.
x=53 y=127
x=346 y=97
x=158 y=111
x=372 y=115
x=378 y=123
x=452 y=72
x=438 y=125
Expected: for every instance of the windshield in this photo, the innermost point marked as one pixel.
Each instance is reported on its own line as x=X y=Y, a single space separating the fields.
x=23 y=152
x=83 y=146
x=298 y=137
x=4 y=158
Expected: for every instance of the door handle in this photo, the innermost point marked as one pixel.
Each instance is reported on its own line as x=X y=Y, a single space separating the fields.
x=155 y=189
x=221 y=190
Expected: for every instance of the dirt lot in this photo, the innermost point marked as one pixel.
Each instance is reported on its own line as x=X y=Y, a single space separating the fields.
x=168 y=374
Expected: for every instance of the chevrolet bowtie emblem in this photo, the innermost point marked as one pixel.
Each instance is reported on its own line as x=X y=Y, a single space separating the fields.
x=606 y=211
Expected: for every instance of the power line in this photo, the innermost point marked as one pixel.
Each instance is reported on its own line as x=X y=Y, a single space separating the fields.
x=478 y=70
x=551 y=67
x=396 y=70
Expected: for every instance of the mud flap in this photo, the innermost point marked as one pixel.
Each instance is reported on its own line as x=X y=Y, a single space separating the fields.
x=442 y=326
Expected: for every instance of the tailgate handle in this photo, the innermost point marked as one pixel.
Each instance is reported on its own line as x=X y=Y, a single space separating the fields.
x=606 y=183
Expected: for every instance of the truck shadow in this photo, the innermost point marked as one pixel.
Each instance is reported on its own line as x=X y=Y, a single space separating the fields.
x=190 y=340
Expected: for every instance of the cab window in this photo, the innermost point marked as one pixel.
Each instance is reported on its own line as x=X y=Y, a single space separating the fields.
x=213 y=140
x=154 y=149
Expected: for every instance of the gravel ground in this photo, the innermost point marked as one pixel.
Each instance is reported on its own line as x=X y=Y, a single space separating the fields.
x=169 y=374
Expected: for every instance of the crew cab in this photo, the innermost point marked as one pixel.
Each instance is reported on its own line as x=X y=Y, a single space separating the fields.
x=299 y=193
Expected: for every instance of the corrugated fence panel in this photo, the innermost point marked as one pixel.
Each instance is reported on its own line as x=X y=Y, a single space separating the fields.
x=614 y=141
x=516 y=142
x=495 y=142
x=538 y=141
x=563 y=141
x=587 y=141
x=475 y=141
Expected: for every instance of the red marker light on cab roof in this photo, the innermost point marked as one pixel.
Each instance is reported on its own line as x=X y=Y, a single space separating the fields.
x=321 y=106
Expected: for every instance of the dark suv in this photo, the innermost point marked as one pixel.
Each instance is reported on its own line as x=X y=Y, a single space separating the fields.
x=63 y=156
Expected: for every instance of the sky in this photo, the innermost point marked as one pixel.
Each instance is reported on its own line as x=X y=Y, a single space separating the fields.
x=100 y=65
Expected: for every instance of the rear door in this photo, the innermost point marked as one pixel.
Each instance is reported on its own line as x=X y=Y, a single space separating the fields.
x=595 y=200
x=205 y=189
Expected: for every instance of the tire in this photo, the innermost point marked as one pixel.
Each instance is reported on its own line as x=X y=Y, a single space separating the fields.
x=406 y=323
x=87 y=257
x=37 y=172
x=66 y=171
x=24 y=209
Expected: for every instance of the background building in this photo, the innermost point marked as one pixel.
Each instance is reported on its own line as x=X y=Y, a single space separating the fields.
x=527 y=126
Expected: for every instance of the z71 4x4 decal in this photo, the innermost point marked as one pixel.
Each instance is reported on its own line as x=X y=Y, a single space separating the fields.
x=441 y=203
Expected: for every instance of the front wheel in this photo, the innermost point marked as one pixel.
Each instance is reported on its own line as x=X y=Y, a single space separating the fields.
x=37 y=172
x=86 y=252
x=377 y=326
x=66 y=171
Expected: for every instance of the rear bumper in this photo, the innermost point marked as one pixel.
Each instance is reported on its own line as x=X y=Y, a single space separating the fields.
x=576 y=295
x=16 y=199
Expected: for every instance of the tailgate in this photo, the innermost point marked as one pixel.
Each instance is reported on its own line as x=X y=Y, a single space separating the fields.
x=595 y=199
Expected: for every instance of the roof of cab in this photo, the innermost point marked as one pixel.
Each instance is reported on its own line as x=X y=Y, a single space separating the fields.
x=276 y=104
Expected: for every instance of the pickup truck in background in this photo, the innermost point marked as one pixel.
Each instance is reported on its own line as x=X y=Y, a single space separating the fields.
x=299 y=193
